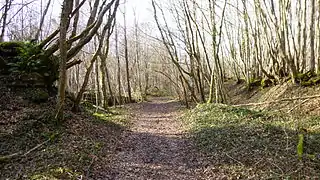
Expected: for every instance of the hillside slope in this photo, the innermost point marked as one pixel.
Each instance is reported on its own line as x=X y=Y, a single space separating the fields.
x=35 y=146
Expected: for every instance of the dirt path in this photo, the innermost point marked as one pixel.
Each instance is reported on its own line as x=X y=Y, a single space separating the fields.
x=156 y=147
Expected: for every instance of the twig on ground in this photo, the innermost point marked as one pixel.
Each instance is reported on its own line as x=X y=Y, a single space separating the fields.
x=234 y=159
x=89 y=167
x=20 y=153
x=298 y=105
x=36 y=147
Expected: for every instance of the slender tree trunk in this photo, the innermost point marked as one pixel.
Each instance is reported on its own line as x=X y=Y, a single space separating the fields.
x=184 y=92
x=103 y=84
x=304 y=37
x=97 y=78
x=119 y=67
x=89 y=70
x=104 y=69
x=312 y=37
x=7 y=7
x=109 y=87
x=37 y=36
x=318 y=25
x=76 y=104
x=126 y=55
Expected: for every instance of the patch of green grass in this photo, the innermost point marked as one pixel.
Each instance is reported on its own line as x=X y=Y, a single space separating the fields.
x=118 y=116
x=114 y=115
x=262 y=141
x=57 y=173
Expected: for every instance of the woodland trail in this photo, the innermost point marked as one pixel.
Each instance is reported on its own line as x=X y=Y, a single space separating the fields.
x=156 y=147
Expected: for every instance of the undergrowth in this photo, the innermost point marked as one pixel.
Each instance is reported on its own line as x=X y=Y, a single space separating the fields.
x=243 y=143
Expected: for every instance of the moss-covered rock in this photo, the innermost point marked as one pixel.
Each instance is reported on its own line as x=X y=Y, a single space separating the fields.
x=11 y=49
x=26 y=59
x=261 y=83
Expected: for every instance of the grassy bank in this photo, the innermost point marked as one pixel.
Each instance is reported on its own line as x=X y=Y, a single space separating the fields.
x=241 y=143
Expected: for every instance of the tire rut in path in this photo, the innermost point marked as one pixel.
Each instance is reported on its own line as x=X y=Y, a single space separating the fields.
x=156 y=146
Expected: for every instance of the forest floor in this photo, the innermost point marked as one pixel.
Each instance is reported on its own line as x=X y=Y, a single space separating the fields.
x=161 y=139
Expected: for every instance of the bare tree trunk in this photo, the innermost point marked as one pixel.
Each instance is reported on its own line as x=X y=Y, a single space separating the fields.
x=127 y=57
x=312 y=37
x=137 y=58
x=64 y=23
x=97 y=78
x=89 y=32
x=119 y=67
x=76 y=104
x=304 y=37
x=109 y=87
x=171 y=47
x=318 y=25
x=103 y=84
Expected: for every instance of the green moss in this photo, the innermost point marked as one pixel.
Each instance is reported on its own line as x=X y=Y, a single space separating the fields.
x=306 y=84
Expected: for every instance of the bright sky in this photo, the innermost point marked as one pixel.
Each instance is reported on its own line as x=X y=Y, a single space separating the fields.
x=142 y=8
